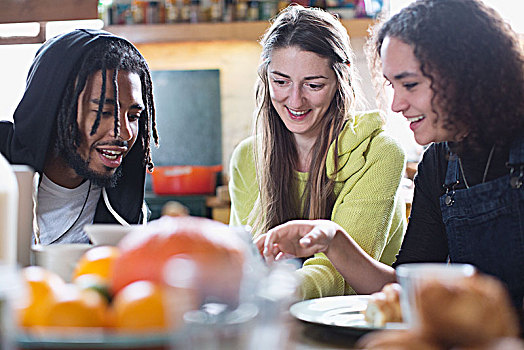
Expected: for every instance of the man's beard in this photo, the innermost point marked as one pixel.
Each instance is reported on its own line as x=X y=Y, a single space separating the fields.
x=81 y=167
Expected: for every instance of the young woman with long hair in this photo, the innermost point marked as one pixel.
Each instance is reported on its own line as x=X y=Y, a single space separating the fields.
x=312 y=155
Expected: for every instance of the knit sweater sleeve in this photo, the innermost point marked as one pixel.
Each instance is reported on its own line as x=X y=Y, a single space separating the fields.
x=369 y=209
x=243 y=188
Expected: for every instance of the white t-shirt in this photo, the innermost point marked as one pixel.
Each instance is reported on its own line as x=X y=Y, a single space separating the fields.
x=61 y=213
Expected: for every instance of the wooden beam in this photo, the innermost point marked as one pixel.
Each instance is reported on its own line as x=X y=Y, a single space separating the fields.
x=18 y=11
x=15 y=40
x=154 y=33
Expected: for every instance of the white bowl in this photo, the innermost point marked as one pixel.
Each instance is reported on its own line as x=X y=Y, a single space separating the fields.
x=107 y=234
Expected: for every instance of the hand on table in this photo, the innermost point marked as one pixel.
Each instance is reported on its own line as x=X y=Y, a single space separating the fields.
x=298 y=238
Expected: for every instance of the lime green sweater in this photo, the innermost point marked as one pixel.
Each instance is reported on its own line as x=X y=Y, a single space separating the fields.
x=367 y=204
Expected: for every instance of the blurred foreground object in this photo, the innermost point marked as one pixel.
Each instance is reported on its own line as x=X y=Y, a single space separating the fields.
x=59 y=258
x=199 y=285
x=474 y=311
x=50 y=302
x=414 y=276
x=384 y=306
x=216 y=251
x=468 y=313
x=98 y=260
x=174 y=208
x=141 y=307
x=40 y=284
x=397 y=340
x=107 y=234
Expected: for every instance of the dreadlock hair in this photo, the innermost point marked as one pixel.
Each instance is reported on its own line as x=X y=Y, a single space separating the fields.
x=105 y=55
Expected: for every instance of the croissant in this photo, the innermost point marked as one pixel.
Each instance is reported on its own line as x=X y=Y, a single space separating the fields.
x=475 y=310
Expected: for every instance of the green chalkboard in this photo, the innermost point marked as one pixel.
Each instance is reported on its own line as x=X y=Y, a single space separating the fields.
x=188 y=116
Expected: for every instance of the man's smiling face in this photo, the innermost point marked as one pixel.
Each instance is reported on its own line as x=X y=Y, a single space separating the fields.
x=100 y=155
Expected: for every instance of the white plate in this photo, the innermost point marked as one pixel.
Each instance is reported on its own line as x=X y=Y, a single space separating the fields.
x=345 y=312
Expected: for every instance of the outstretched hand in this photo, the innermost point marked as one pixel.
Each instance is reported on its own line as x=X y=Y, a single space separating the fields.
x=298 y=238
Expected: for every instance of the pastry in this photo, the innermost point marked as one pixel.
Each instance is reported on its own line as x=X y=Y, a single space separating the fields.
x=474 y=310
x=384 y=306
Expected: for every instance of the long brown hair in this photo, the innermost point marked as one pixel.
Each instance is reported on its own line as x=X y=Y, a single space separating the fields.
x=276 y=156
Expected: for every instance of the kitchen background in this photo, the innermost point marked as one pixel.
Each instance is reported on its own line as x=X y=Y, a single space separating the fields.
x=204 y=73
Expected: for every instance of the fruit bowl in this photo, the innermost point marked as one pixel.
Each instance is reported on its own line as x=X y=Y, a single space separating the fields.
x=175 y=280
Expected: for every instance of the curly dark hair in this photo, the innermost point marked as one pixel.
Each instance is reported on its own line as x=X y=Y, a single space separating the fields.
x=114 y=54
x=474 y=62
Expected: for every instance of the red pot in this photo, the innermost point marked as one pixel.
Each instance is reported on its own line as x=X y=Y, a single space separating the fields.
x=185 y=179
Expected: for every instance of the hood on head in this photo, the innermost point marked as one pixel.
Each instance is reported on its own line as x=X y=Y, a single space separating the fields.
x=35 y=116
x=28 y=140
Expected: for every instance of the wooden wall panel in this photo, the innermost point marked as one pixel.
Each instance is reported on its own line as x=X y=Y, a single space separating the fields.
x=18 y=11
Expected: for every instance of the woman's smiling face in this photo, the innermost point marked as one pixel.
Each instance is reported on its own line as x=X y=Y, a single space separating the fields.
x=412 y=93
x=302 y=85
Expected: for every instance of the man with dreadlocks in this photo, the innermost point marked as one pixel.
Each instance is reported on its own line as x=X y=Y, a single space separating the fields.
x=84 y=124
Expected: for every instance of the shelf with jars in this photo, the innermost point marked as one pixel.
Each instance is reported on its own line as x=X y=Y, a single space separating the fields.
x=209 y=20
x=210 y=31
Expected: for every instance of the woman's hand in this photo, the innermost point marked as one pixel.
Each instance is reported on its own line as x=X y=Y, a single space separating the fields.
x=259 y=243
x=299 y=238
x=302 y=238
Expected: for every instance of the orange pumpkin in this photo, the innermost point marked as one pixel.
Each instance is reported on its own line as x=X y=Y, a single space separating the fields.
x=214 y=252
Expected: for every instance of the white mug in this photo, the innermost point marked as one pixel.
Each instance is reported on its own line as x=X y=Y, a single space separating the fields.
x=59 y=258
x=412 y=276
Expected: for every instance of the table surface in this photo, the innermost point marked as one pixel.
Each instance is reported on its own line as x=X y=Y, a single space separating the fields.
x=290 y=335
x=306 y=336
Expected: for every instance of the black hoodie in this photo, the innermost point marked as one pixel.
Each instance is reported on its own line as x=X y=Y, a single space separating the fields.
x=28 y=139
